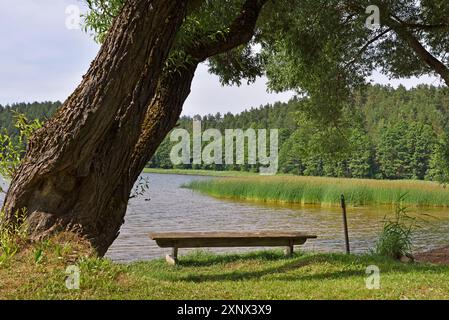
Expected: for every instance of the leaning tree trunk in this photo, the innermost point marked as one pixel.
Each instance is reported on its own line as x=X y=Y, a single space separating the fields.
x=75 y=173
x=80 y=168
x=174 y=88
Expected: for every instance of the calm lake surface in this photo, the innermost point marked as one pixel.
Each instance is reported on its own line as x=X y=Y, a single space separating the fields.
x=172 y=208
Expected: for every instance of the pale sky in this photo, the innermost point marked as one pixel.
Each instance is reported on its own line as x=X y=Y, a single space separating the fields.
x=42 y=60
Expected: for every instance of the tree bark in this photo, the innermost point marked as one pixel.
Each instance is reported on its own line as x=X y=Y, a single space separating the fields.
x=423 y=54
x=75 y=172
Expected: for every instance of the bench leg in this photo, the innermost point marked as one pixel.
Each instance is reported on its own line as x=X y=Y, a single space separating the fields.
x=289 y=250
x=172 y=259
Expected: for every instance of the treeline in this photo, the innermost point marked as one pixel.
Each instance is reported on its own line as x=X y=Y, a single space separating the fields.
x=277 y=116
x=386 y=134
x=35 y=110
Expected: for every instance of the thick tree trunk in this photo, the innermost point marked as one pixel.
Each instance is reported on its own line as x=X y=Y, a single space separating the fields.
x=81 y=167
x=76 y=171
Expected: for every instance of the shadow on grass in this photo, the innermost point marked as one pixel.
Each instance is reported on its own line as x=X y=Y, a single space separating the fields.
x=290 y=264
x=351 y=266
x=205 y=259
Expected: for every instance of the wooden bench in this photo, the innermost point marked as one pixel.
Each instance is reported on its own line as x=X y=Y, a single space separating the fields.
x=176 y=240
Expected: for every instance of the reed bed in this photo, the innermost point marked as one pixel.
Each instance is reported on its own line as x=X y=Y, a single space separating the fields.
x=325 y=191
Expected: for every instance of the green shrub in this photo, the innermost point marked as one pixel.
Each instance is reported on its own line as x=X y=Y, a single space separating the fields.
x=395 y=239
x=12 y=149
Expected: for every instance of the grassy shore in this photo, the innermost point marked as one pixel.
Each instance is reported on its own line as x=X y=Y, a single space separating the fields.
x=325 y=191
x=259 y=275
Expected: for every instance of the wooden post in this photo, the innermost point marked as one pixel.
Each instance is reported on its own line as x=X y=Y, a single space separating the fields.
x=172 y=259
x=345 y=224
x=289 y=250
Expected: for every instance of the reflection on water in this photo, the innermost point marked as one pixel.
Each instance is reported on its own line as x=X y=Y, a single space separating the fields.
x=176 y=209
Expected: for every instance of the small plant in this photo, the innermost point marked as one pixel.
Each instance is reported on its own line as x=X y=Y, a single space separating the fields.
x=12 y=237
x=12 y=149
x=38 y=255
x=41 y=248
x=395 y=239
x=8 y=248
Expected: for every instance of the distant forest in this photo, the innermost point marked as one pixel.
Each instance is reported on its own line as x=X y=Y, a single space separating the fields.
x=35 y=110
x=386 y=134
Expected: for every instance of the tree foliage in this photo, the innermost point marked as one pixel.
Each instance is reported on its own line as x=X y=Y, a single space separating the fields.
x=320 y=48
x=13 y=147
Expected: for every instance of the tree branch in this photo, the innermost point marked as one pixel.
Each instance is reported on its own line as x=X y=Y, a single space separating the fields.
x=403 y=31
x=239 y=32
x=419 y=49
x=366 y=46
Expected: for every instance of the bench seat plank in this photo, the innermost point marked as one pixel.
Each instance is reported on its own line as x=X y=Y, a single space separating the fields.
x=229 y=239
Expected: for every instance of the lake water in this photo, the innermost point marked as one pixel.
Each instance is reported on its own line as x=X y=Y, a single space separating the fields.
x=172 y=208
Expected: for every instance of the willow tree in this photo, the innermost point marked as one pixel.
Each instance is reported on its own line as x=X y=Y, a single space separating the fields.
x=322 y=49
x=326 y=49
x=80 y=167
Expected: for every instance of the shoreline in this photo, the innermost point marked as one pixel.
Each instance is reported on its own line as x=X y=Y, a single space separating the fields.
x=208 y=173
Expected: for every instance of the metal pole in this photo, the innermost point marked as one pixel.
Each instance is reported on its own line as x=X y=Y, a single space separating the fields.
x=345 y=224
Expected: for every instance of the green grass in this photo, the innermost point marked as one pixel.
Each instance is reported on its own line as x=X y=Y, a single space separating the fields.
x=211 y=173
x=259 y=275
x=325 y=191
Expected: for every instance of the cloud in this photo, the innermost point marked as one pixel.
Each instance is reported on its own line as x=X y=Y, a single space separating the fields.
x=40 y=59
x=208 y=96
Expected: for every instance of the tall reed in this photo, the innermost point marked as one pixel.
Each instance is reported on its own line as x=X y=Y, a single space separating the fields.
x=325 y=191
